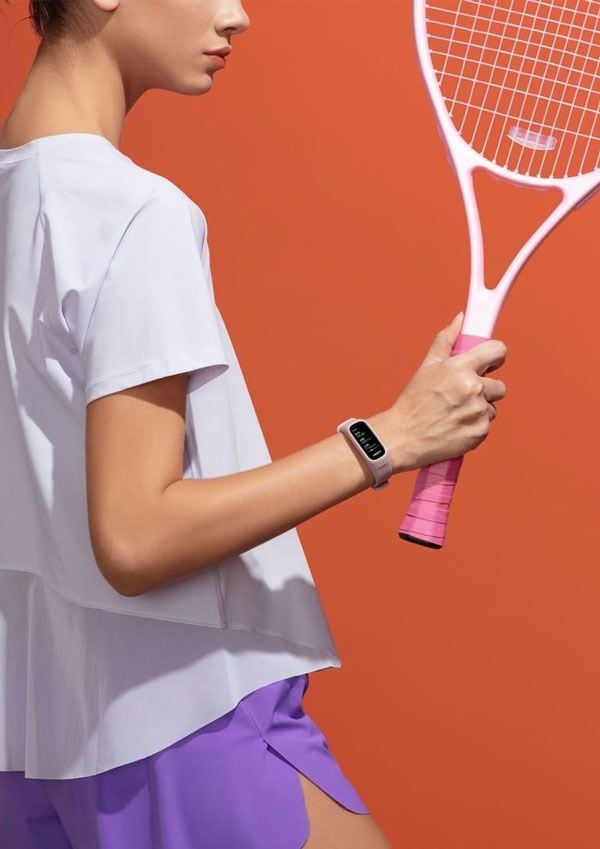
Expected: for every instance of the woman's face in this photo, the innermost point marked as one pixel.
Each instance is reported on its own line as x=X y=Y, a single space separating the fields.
x=164 y=43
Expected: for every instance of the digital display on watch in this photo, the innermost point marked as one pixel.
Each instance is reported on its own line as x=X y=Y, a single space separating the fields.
x=367 y=440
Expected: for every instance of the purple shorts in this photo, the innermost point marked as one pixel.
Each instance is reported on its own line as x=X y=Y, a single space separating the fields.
x=233 y=784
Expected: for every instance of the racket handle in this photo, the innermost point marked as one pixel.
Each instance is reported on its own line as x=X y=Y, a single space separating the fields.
x=426 y=519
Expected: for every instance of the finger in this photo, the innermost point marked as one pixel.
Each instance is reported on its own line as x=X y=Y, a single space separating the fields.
x=493 y=367
x=493 y=390
x=444 y=341
x=486 y=356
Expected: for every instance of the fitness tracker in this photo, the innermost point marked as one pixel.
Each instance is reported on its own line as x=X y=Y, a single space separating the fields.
x=368 y=446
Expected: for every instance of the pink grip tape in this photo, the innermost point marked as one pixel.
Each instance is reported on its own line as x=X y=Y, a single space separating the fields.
x=426 y=520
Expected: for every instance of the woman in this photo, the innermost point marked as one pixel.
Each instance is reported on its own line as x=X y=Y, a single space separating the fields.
x=160 y=618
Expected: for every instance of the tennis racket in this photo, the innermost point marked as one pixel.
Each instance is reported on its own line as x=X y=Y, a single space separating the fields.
x=515 y=85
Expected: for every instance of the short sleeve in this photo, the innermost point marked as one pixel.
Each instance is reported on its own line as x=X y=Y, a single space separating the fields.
x=154 y=314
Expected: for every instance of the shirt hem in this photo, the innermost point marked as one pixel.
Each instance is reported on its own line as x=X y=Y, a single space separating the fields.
x=163 y=367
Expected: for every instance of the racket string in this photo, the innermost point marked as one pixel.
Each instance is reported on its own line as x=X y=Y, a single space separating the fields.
x=538 y=19
x=536 y=104
x=585 y=106
x=584 y=89
x=502 y=37
x=523 y=87
x=465 y=57
x=543 y=126
x=568 y=121
x=587 y=147
x=476 y=77
x=541 y=98
x=519 y=75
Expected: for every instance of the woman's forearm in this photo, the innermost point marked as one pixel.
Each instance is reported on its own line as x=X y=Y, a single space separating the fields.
x=196 y=523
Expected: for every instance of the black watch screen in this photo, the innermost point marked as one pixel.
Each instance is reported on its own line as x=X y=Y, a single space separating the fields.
x=367 y=440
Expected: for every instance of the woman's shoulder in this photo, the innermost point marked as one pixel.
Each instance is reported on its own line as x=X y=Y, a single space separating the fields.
x=108 y=186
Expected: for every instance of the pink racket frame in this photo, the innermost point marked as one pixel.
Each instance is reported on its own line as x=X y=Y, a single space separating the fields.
x=426 y=520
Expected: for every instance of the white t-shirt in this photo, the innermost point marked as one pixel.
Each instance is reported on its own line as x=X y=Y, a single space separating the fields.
x=105 y=283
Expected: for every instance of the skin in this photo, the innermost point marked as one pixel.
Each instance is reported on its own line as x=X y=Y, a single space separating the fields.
x=89 y=80
x=148 y=526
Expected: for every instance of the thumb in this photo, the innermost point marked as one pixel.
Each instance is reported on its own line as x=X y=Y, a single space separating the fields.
x=443 y=342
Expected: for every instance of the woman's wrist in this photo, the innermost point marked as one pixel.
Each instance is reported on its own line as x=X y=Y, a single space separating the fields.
x=388 y=429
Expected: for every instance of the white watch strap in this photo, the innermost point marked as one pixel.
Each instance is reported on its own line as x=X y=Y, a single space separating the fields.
x=382 y=466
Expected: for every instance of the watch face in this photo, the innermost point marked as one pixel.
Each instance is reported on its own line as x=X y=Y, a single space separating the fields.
x=367 y=440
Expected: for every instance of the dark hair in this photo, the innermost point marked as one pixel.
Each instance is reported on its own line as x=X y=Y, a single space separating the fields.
x=49 y=18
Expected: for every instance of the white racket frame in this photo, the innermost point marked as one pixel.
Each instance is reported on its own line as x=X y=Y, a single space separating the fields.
x=484 y=304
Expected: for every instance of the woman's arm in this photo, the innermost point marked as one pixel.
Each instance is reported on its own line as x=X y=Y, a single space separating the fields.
x=151 y=527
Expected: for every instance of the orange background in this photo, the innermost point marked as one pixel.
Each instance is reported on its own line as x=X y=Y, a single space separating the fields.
x=467 y=711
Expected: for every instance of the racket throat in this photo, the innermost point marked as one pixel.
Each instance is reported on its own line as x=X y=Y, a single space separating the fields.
x=483 y=307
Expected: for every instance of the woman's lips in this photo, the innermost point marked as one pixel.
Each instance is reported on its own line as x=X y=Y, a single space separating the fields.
x=219 y=61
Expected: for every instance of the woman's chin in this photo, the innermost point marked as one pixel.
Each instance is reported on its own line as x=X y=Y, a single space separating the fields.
x=200 y=84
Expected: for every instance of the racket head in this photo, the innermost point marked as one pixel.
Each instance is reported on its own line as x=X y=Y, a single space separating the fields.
x=540 y=128
x=515 y=82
